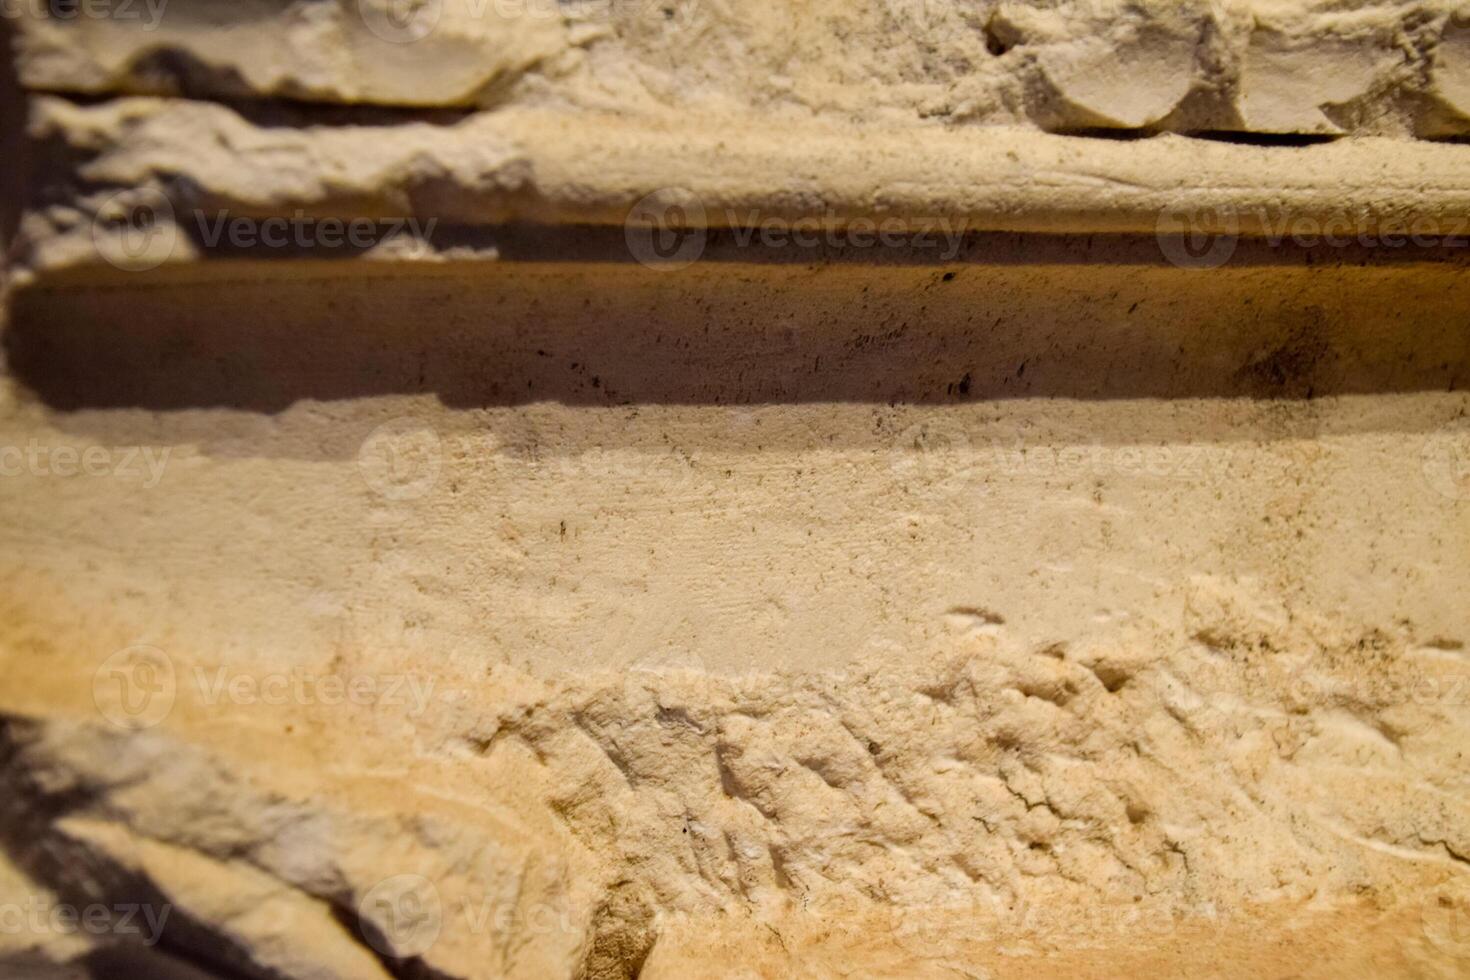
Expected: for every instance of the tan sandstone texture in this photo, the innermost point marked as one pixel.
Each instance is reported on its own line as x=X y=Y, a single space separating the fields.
x=687 y=489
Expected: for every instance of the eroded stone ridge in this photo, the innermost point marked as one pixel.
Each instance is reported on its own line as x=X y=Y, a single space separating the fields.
x=134 y=183
x=592 y=813
x=1270 y=67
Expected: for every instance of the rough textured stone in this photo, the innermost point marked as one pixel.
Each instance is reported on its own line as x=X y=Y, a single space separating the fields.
x=187 y=164
x=1079 y=641
x=1451 y=72
x=1261 y=66
x=626 y=561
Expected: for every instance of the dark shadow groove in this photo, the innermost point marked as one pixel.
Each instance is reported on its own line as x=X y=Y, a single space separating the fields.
x=1122 y=135
x=13 y=143
x=173 y=75
x=944 y=242
x=134 y=962
x=373 y=942
x=503 y=334
x=1244 y=138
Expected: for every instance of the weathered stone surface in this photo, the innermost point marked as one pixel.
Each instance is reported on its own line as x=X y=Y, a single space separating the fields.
x=1451 y=73
x=352 y=51
x=1054 y=630
x=1258 y=66
x=189 y=165
x=494 y=491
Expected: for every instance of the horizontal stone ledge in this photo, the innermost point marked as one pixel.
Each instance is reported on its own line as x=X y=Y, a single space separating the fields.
x=205 y=164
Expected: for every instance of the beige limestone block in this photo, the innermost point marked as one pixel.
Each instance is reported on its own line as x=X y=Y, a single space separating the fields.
x=1105 y=617
x=1262 y=66
x=354 y=51
x=1451 y=74
x=500 y=599
x=1112 y=64
x=1301 y=65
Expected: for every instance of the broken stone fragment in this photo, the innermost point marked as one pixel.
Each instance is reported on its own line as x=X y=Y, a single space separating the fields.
x=1450 y=76
x=1267 y=66
x=352 y=51
x=1111 y=64
x=1131 y=85
x=1298 y=71
x=269 y=886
